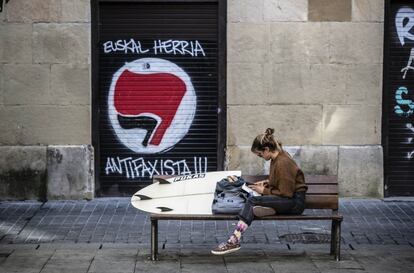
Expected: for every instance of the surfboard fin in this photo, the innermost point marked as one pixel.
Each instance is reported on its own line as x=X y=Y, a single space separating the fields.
x=162 y=180
x=164 y=209
x=143 y=197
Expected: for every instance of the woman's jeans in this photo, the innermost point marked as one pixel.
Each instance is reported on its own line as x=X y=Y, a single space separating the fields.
x=282 y=205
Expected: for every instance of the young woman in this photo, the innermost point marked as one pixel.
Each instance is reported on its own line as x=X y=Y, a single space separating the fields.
x=282 y=193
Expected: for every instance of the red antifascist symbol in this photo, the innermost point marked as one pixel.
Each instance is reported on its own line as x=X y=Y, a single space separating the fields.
x=158 y=93
x=151 y=104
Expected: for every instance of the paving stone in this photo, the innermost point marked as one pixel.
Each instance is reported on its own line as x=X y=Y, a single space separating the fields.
x=369 y=221
x=26 y=261
x=202 y=263
x=292 y=263
x=247 y=263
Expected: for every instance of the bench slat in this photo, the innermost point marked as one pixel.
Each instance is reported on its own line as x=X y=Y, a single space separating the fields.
x=254 y=178
x=322 y=189
x=310 y=179
x=321 y=179
x=196 y=217
x=320 y=201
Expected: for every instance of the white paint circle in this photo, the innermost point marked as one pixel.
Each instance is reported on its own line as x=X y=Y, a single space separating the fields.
x=132 y=138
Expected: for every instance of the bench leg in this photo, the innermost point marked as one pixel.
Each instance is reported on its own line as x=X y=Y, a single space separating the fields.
x=332 y=252
x=336 y=239
x=154 y=239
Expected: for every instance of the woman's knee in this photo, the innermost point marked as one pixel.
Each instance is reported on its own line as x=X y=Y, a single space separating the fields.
x=253 y=200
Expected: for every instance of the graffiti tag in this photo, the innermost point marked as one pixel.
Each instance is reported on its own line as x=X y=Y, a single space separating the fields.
x=404 y=22
x=139 y=167
x=403 y=30
x=176 y=47
x=410 y=127
x=403 y=102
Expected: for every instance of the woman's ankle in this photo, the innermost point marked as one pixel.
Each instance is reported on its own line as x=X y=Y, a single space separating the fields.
x=233 y=240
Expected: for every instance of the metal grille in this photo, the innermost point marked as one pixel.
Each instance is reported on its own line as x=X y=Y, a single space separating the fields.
x=158 y=91
x=398 y=108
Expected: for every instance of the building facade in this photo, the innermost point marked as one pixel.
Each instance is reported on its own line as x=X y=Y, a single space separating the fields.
x=98 y=96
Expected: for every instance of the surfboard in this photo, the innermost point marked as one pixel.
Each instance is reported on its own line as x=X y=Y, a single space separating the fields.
x=186 y=194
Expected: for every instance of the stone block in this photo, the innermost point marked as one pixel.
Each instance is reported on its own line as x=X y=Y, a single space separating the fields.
x=294 y=151
x=364 y=84
x=285 y=10
x=70 y=172
x=11 y=129
x=327 y=83
x=16 y=43
x=22 y=172
x=70 y=84
x=290 y=84
x=360 y=171
x=307 y=84
x=351 y=125
x=245 y=11
x=331 y=81
x=42 y=124
x=56 y=125
x=247 y=43
x=33 y=11
x=368 y=10
x=245 y=83
x=3 y=14
x=27 y=84
x=293 y=124
x=241 y=158
x=76 y=11
x=61 y=43
x=1 y=84
x=330 y=10
x=300 y=43
x=356 y=43
x=321 y=160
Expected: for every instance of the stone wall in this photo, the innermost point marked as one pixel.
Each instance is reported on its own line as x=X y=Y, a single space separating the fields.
x=45 y=100
x=45 y=92
x=311 y=69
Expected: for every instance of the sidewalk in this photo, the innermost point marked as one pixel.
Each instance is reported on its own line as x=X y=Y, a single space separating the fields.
x=109 y=235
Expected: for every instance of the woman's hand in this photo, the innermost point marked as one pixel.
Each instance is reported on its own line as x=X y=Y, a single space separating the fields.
x=259 y=186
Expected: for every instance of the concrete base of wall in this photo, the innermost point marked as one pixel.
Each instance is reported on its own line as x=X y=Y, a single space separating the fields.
x=359 y=168
x=46 y=172
x=23 y=172
x=70 y=172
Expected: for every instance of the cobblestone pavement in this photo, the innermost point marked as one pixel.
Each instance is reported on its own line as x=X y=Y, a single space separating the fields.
x=109 y=235
x=114 y=220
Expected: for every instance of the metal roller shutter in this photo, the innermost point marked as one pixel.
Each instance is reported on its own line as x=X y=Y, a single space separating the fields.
x=158 y=91
x=398 y=103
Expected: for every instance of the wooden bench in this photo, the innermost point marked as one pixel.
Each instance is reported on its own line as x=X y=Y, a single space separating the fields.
x=322 y=194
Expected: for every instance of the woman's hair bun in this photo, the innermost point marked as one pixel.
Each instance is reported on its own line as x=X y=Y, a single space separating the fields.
x=269 y=131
